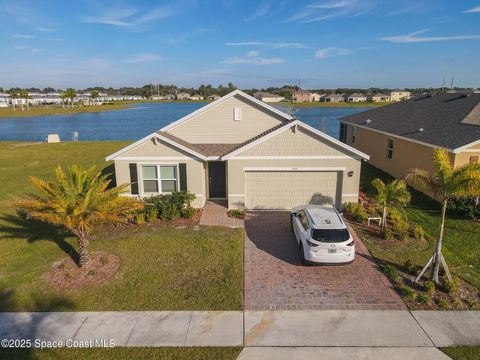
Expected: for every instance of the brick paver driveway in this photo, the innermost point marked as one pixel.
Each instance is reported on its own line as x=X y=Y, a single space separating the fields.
x=276 y=280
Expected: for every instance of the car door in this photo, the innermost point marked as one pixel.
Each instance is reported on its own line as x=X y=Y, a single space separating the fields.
x=301 y=226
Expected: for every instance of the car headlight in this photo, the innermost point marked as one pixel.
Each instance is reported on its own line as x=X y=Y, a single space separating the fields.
x=311 y=243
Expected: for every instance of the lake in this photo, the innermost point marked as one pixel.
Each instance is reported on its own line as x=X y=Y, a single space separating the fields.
x=138 y=121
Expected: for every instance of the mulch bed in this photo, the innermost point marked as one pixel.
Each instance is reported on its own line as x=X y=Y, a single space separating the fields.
x=66 y=274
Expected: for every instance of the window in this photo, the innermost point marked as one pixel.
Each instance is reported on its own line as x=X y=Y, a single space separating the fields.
x=330 y=235
x=237 y=114
x=302 y=217
x=473 y=159
x=343 y=133
x=159 y=178
x=354 y=134
x=390 y=149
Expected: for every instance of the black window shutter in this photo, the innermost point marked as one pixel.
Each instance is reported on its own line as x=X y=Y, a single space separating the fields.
x=133 y=178
x=182 y=169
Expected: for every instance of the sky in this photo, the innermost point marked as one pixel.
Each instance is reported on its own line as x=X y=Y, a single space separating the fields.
x=263 y=43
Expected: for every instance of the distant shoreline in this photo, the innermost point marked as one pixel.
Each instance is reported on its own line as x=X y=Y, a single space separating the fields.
x=122 y=105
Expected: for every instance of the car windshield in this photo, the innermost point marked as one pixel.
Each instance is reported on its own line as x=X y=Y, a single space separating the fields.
x=330 y=235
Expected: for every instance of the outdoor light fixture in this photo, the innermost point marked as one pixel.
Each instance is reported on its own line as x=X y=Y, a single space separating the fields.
x=368 y=121
x=350 y=174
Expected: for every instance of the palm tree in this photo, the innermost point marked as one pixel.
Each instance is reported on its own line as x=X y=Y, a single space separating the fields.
x=63 y=96
x=13 y=95
x=94 y=95
x=78 y=200
x=394 y=193
x=25 y=95
x=445 y=183
x=71 y=94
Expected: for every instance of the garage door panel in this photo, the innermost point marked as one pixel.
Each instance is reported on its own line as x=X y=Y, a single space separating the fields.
x=287 y=189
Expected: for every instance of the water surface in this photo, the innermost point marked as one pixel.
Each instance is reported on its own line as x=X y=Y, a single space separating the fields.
x=138 y=121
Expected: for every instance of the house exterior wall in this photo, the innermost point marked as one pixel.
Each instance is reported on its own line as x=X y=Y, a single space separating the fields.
x=301 y=97
x=399 y=95
x=472 y=154
x=150 y=153
x=216 y=125
x=406 y=154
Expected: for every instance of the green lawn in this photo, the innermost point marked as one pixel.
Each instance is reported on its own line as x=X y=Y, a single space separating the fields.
x=161 y=353
x=463 y=352
x=58 y=110
x=462 y=237
x=163 y=268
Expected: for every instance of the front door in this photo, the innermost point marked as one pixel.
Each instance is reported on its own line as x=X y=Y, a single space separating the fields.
x=217 y=180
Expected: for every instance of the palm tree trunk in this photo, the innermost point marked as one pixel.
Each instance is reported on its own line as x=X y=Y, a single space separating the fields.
x=84 y=256
x=437 y=257
x=384 y=218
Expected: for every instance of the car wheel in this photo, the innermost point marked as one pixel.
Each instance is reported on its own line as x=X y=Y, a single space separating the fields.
x=302 y=254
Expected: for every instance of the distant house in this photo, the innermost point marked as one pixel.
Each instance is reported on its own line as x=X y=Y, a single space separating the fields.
x=3 y=103
x=402 y=136
x=379 y=97
x=315 y=97
x=169 y=97
x=183 y=96
x=267 y=97
x=196 y=97
x=157 y=97
x=301 y=96
x=399 y=95
x=357 y=97
x=333 y=98
x=214 y=97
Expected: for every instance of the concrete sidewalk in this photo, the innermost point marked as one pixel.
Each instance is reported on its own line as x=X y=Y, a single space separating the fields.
x=268 y=329
x=129 y=328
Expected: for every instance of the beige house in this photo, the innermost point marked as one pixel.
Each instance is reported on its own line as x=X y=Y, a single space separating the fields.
x=183 y=96
x=357 y=97
x=402 y=136
x=243 y=150
x=267 y=97
x=379 y=97
x=399 y=95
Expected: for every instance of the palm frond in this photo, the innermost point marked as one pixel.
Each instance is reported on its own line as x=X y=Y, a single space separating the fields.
x=422 y=180
x=465 y=181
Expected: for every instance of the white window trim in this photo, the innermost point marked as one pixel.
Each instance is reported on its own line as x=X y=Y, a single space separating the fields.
x=390 y=148
x=237 y=114
x=159 y=179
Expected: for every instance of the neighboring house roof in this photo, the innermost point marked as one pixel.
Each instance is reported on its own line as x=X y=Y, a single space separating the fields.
x=357 y=95
x=223 y=151
x=451 y=121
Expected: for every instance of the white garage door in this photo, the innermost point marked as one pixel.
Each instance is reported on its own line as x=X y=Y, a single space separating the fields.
x=287 y=189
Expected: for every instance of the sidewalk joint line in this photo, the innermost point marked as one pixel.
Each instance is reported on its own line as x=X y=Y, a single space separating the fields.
x=78 y=329
x=188 y=328
x=421 y=327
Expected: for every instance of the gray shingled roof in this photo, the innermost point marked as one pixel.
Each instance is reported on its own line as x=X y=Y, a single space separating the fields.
x=440 y=116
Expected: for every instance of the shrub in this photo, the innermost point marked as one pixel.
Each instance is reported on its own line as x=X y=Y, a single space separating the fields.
x=151 y=214
x=465 y=207
x=235 y=213
x=424 y=299
x=139 y=218
x=418 y=233
x=387 y=234
x=448 y=287
x=391 y=272
x=356 y=211
x=429 y=286
x=409 y=267
x=442 y=304
x=399 y=225
x=173 y=206
x=409 y=293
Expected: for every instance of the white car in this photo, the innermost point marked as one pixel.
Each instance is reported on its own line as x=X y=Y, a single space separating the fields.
x=322 y=235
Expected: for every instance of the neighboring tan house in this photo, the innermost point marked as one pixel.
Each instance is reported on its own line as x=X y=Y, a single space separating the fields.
x=214 y=97
x=315 y=97
x=241 y=149
x=399 y=95
x=379 y=97
x=169 y=97
x=196 y=97
x=333 y=98
x=267 y=97
x=357 y=97
x=183 y=96
x=301 y=96
x=402 y=136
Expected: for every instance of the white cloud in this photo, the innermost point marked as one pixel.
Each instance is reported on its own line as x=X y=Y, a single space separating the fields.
x=22 y=36
x=414 y=38
x=273 y=45
x=262 y=9
x=334 y=9
x=253 y=58
x=45 y=29
x=36 y=50
x=156 y=14
x=114 y=17
x=473 y=10
x=141 y=58
x=20 y=47
x=331 y=52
